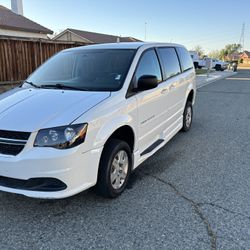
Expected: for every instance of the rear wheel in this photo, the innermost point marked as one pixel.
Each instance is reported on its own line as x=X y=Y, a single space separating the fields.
x=114 y=169
x=218 y=67
x=187 y=117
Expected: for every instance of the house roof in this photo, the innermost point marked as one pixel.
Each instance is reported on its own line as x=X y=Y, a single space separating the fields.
x=93 y=37
x=246 y=54
x=234 y=56
x=12 y=21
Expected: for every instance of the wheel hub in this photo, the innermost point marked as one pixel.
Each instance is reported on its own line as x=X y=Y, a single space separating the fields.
x=119 y=169
x=188 y=117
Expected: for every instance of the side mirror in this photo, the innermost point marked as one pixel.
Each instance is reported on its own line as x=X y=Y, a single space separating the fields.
x=146 y=82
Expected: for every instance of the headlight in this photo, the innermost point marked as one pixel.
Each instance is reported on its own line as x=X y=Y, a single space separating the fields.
x=61 y=137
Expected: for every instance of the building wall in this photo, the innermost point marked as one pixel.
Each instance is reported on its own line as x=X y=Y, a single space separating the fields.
x=246 y=60
x=70 y=37
x=4 y=32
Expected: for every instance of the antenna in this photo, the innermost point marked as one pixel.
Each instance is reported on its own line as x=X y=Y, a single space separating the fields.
x=145 y=35
x=242 y=36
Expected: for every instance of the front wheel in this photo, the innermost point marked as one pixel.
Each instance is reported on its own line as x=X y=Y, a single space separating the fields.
x=114 y=169
x=187 y=117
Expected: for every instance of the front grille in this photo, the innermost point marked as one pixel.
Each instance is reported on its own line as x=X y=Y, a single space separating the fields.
x=14 y=135
x=12 y=142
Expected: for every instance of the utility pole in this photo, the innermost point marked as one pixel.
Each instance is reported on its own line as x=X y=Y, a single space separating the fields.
x=242 y=37
x=145 y=34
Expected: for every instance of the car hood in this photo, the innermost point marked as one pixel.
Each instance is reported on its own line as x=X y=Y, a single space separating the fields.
x=29 y=109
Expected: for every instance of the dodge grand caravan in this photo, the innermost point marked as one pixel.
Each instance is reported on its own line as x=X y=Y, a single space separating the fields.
x=90 y=115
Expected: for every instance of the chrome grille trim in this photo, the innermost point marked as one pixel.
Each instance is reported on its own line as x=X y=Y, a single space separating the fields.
x=13 y=142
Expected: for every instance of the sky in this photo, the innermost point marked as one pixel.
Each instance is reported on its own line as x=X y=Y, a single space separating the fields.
x=209 y=23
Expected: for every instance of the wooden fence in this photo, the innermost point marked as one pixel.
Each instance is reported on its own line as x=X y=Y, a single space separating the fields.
x=19 y=58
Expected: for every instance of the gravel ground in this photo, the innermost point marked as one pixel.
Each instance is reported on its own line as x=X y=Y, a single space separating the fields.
x=192 y=194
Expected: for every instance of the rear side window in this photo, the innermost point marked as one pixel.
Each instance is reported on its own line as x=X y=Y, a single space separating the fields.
x=185 y=58
x=148 y=65
x=170 y=62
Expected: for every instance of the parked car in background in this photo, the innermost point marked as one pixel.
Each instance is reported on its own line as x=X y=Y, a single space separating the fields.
x=91 y=115
x=233 y=65
x=219 y=65
x=198 y=62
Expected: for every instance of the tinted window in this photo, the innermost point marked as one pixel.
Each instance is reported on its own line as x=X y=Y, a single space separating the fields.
x=170 y=62
x=149 y=65
x=185 y=58
x=95 y=70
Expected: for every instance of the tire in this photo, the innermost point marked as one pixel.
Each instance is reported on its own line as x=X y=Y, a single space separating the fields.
x=218 y=67
x=196 y=65
x=114 y=151
x=187 y=117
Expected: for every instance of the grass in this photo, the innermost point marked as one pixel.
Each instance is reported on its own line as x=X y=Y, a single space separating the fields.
x=203 y=71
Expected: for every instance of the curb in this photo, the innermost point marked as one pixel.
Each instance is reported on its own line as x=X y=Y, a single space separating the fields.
x=216 y=79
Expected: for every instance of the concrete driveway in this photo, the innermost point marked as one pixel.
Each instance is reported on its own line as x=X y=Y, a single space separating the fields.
x=193 y=194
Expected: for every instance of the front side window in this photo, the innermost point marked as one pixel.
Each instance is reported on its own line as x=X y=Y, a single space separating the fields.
x=148 y=65
x=170 y=62
x=93 y=70
x=185 y=59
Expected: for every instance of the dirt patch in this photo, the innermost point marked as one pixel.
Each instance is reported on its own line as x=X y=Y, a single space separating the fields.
x=7 y=87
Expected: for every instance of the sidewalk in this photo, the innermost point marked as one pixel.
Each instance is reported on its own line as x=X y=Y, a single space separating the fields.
x=202 y=80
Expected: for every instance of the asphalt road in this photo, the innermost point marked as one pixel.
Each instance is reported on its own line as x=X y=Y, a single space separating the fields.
x=193 y=194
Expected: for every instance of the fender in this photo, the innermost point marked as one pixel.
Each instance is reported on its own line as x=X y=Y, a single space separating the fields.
x=111 y=126
x=189 y=89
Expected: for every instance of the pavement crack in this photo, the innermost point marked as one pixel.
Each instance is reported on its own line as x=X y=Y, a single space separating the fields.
x=212 y=235
x=223 y=208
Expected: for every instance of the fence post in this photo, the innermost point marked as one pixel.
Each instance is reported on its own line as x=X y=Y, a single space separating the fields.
x=40 y=49
x=20 y=56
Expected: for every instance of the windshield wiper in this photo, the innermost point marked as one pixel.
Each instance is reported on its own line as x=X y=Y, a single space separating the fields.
x=62 y=86
x=32 y=84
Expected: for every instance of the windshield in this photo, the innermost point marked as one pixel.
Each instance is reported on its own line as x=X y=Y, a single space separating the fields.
x=92 y=70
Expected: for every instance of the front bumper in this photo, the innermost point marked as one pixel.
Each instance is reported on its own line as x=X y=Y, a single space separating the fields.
x=77 y=170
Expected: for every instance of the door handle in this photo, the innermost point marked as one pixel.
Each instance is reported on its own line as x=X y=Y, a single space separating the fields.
x=172 y=86
x=164 y=91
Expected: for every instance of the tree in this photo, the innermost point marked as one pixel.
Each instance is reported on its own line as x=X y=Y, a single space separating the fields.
x=199 y=50
x=214 y=54
x=230 y=49
x=224 y=53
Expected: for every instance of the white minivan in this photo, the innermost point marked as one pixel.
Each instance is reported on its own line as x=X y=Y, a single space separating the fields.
x=90 y=115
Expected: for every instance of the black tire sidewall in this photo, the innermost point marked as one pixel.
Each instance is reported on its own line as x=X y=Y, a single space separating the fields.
x=218 y=67
x=104 y=186
x=185 y=128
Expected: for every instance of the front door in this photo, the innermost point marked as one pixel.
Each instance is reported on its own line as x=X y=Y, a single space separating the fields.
x=152 y=104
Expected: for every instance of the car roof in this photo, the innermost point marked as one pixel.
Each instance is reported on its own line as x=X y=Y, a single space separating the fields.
x=124 y=45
